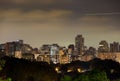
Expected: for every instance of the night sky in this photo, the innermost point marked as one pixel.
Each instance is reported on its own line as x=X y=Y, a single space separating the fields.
x=40 y=22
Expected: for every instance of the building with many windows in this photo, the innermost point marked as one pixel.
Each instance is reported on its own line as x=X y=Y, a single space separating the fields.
x=79 y=44
x=103 y=47
x=114 y=47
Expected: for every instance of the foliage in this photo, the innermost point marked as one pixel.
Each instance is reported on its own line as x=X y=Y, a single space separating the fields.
x=24 y=70
x=97 y=75
x=8 y=79
x=82 y=78
x=2 y=63
x=94 y=75
x=112 y=68
x=66 y=78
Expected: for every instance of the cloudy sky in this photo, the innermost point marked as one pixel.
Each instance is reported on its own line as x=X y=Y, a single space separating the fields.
x=40 y=22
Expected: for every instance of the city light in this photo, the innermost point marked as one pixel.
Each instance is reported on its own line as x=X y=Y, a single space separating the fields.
x=59 y=54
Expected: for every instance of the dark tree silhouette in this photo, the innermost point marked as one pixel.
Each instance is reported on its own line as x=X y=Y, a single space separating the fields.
x=112 y=68
x=24 y=70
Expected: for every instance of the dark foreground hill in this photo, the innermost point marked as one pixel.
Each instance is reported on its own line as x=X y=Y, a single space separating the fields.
x=24 y=70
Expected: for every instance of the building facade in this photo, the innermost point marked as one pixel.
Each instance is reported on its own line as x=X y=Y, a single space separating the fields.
x=79 y=44
x=103 y=47
x=114 y=47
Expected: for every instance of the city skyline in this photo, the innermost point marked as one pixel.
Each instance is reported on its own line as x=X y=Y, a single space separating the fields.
x=98 y=44
x=53 y=21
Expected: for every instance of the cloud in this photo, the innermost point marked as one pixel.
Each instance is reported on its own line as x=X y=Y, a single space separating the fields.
x=103 y=14
x=59 y=16
x=78 y=6
x=94 y=19
x=27 y=1
x=15 y=15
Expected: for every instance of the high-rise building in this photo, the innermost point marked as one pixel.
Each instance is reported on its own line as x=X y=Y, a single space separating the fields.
x=10 y=48
x=91 y=50
x=26 y=48
x=45 y=49
x=18 y=45
x=71 y=49
x=114 y=47
x=71 y=46
x=54 y=52
x=79 y=44
x=103 y=47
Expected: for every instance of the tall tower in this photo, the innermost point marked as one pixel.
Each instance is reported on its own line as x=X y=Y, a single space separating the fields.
x=103 y=47
x=115 y=47
x=79 y=44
